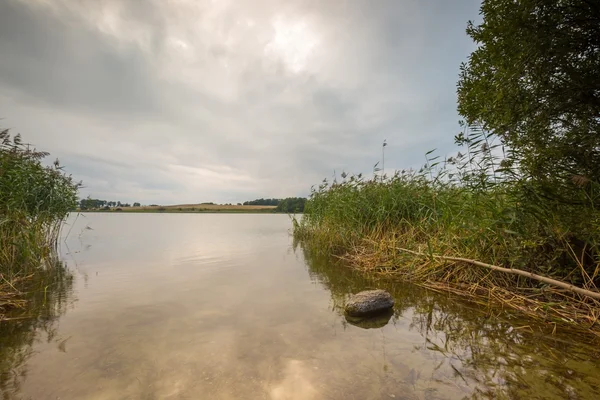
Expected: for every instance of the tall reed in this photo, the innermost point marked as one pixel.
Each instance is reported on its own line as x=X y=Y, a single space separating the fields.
x=475 y=205
x=34 y=201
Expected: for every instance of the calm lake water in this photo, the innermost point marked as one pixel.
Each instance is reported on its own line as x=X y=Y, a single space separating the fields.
x=221 y=306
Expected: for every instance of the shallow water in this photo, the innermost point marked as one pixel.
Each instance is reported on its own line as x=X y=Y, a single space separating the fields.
x=220 y=306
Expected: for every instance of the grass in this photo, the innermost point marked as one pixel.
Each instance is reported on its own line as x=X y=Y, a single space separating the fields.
x=430 y=226
x=34 y=201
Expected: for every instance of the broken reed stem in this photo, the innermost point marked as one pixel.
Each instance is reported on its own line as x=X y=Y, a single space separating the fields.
x=531 y=275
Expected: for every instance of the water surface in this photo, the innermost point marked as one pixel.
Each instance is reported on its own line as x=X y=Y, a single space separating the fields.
x=221 y=306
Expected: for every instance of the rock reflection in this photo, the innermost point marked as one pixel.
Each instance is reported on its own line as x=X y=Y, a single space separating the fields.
x=374 y=322
x=49 y=297
x=495 y=353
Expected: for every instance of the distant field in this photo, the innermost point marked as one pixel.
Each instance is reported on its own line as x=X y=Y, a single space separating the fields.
x=190 y=208
x=202 y=207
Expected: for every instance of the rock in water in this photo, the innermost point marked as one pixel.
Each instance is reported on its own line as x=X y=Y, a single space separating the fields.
x=369 y=302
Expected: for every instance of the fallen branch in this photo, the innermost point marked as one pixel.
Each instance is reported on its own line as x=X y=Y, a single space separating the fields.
x=531 y=275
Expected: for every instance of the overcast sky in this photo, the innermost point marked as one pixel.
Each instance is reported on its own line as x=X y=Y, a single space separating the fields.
x=187 y=101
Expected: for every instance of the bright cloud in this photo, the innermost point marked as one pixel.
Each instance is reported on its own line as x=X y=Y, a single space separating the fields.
x=190 y=101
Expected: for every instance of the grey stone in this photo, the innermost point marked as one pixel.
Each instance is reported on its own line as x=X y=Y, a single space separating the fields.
x=369 y=302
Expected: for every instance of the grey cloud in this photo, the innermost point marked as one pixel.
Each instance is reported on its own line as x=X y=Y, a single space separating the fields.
x=176 y=101
x=63 y=63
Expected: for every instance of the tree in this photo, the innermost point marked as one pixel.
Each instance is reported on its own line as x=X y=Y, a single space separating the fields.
x=89 y=203
x=534 y=81
x=136 y=204
x=291 y=205
x=262 y=202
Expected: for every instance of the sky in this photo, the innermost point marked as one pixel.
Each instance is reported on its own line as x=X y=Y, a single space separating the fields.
x=189 y=101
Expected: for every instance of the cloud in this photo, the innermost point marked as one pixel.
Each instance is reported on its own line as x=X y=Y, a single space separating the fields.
x=185 y=101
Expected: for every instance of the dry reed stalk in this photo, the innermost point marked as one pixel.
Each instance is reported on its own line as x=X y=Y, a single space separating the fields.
x=531 y=275
x=10 y=295
x=376 y=258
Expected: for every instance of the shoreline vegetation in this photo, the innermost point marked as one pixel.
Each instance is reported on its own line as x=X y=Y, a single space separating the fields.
x=460 y=226
x=512 y=220
x=34 y=201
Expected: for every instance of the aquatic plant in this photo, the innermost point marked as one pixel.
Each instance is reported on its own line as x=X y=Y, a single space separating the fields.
x=34 y=200
x=471 y=224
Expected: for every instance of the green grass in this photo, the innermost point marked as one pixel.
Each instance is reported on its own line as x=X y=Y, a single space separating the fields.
x=472 y=206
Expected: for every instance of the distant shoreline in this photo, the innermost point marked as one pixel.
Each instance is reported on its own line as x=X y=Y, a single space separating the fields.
x=191 y=209
x=218 y=211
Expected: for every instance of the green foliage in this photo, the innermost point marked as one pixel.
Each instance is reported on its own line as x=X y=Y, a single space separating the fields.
x=291 y=205
x=34 y=200
x=262 y=202
x=471 y=205
x=534 y=81
x=97 y=204
x=287 y=205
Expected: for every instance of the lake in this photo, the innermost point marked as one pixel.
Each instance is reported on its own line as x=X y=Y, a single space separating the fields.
x=224 y=306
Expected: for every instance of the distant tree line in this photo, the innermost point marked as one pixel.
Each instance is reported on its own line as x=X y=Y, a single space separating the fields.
x=91 y=204
x=291 y=205
x=262 y=202
x=287 y=205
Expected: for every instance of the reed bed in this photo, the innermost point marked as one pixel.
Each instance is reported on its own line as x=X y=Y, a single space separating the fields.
x=470 y=225
x=34 y=201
